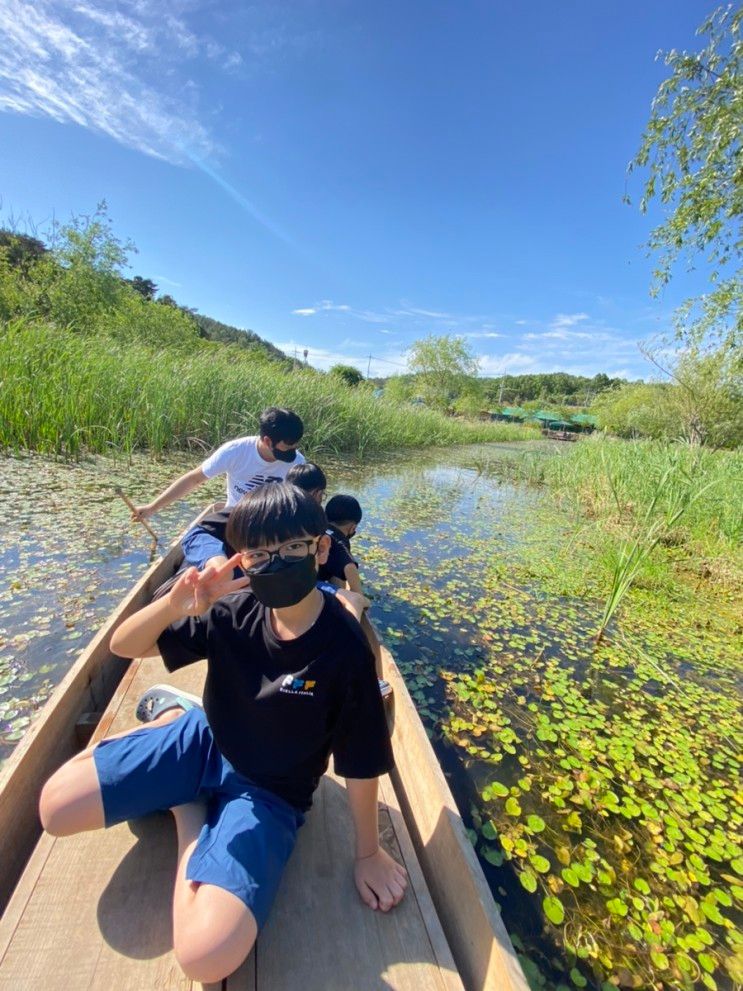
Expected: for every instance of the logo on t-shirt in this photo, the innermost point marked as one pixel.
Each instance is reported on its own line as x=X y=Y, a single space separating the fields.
x=297 y=686
x=254 y=482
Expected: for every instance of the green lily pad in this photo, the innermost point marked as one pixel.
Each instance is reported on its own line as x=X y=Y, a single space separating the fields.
x=553 y=909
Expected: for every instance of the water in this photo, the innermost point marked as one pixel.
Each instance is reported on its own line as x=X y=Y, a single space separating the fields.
x=457 y=559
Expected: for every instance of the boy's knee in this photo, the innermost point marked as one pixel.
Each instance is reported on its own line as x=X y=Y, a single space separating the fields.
x=51 y=808
x=211 y=946
x=204 y=956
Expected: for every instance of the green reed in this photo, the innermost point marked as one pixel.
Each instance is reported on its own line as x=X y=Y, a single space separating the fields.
x=670 y=497
x=66 y=393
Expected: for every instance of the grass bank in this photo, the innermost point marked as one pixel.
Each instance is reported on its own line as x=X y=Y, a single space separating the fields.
x=615 y=504
x=64 y=393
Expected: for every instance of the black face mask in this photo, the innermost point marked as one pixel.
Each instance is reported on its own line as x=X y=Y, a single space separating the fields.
x=286 y=456
x=284 y=583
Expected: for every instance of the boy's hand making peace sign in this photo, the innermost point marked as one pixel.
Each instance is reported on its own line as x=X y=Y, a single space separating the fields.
x=195 y=592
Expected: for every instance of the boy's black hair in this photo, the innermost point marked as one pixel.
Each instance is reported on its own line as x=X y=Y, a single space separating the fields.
x=280 y=424
x=274 y=512
x=307 y=476
x=342 y=509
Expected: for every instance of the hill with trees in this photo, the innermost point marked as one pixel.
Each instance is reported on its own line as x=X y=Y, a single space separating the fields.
x=44 y=278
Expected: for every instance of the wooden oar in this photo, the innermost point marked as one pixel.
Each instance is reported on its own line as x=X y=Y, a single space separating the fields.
x=155 y=539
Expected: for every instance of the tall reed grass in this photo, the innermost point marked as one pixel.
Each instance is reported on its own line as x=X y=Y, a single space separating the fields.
x=64 y=393
x=616 y=481
x=671 y=497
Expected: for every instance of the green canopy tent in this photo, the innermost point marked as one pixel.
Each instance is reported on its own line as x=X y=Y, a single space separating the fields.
x=585 y=421
x=514 y=413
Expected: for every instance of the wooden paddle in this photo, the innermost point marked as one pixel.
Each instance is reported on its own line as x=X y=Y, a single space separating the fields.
x=155 y=539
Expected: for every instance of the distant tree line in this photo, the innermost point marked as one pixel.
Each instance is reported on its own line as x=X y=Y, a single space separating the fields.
x=558 y=388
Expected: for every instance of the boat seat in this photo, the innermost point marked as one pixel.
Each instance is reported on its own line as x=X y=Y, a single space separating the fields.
x=93 y=911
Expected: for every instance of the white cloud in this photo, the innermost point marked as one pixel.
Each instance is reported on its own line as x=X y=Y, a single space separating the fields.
x=498 y=364
x=308 y=311
x=565 y=335
x=483 y=334
x=168 y=282
x=385 y=364
x=417 y=312
x=568 y=320
x=112 y=68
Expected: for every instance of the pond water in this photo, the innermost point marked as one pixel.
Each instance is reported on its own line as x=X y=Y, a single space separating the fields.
x=598 y=785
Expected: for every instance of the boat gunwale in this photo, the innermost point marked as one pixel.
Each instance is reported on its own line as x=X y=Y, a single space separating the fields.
x=466 y=910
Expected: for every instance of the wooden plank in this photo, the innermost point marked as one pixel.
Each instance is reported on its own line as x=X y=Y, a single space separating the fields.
x=474 y=929
x=321 y=937
x=419 y=888
x=51 y=739
x=96 y=911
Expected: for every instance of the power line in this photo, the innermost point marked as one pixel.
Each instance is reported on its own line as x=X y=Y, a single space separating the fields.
x=387 y=361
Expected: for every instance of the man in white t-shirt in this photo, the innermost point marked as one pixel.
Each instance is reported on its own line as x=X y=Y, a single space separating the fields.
x=247 y=461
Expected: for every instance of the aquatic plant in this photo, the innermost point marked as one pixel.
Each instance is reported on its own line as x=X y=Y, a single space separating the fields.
x=670 y=498
x=68 y=394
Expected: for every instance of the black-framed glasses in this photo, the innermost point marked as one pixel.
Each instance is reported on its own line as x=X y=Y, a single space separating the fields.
x=293 y=550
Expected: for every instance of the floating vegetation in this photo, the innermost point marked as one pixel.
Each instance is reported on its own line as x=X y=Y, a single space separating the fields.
x=600 y=785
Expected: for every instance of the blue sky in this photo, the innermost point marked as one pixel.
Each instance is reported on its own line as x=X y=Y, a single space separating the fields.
x=347 y=177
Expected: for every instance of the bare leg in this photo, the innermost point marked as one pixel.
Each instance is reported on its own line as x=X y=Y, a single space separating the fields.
x=71 y=800
x=213 y=931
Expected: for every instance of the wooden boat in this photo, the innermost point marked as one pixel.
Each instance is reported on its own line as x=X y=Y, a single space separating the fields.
x=92 y=911
x=559 y=434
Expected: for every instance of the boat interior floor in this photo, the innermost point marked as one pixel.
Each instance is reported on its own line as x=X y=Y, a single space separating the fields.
x=93 y=911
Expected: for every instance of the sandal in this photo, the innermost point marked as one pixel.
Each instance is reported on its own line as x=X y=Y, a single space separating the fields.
x=161 y=698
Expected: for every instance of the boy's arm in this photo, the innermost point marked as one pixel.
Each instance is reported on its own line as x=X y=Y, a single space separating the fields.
x=380 y=880
x=353 y=579
x=177 y=490
x=137 y=635
x=193 y=594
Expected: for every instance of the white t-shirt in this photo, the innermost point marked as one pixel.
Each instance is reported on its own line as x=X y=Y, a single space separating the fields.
x=245 y=468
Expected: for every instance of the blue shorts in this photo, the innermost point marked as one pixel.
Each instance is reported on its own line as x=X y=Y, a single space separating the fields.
x=249 y=832
x=327 y=587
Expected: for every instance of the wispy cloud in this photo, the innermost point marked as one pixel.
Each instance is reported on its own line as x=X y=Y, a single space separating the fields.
x=123 y=68
x=162 y=279
x=568 y=320
x=514 y=361
x=564 y=335
x=386 y=363
x=483 y=334
x=113 y=68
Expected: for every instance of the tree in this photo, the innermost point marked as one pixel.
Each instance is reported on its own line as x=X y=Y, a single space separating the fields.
x=703 y=404
x=145 y=287
x=350 y=375
x=21 y=250
x=443 y=365
x=399 y=388
x=692 y=150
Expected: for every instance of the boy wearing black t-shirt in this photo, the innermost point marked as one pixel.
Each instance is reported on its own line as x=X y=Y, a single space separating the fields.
x=290 y=680
x=344 y=515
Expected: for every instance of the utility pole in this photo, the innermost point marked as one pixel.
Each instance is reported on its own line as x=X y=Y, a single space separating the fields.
x=500 y=394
